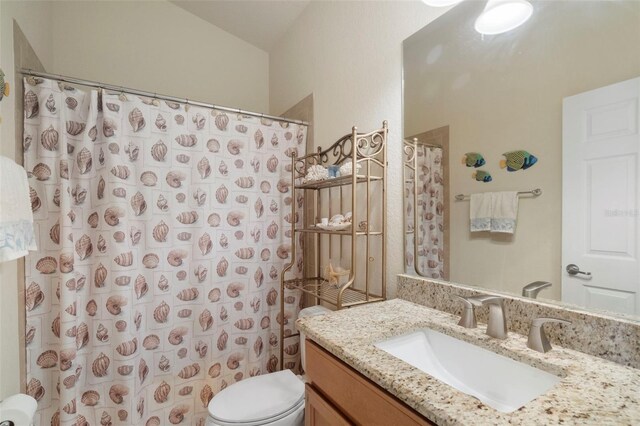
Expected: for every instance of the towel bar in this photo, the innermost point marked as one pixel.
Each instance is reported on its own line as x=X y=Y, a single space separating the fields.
x=535 y=192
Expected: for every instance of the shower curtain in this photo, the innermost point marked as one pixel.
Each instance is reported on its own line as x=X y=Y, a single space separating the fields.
x=162 y=229
x=429 y=236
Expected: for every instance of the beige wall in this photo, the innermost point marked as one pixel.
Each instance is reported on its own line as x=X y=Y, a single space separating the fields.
x=158 y=47
x=505 y=93
x=153 y=46
x=349 y=55
x=34 y=18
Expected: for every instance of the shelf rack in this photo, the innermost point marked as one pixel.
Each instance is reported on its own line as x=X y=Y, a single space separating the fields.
x=358 y=248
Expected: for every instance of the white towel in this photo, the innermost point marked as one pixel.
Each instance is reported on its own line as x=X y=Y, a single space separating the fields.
x=16 y=219
x=504 y=211
x=480 y=208
x=494 y=211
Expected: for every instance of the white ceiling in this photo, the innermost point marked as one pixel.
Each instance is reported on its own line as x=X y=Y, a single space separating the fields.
x=259 y=22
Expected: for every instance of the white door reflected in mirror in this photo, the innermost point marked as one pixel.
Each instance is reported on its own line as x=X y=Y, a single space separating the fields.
x=601 y=197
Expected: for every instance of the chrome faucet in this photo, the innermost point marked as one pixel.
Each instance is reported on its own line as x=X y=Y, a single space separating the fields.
x=537 y=338
x=468 y=318
x=497 y=324
x=532 y=290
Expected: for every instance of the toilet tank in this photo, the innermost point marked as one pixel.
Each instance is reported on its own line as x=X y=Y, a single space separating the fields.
x=309 y=312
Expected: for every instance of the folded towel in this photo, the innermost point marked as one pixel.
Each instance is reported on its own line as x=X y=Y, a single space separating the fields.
x=494 y=211
x=16 y=219
x=504 y=211
x=480 y=208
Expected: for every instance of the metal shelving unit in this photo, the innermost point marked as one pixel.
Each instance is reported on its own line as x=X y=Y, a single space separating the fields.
x=360 y=248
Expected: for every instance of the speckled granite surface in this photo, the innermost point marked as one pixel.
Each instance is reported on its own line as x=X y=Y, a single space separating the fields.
x=592 y=390
x=601 y=335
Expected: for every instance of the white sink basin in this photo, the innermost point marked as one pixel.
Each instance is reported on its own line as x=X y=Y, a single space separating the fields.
x=496 y=380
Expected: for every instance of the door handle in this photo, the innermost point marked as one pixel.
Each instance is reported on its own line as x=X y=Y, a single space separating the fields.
x=573 y=270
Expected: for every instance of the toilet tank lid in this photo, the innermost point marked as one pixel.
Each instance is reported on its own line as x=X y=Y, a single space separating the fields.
x=258 y=398
x=312 y=311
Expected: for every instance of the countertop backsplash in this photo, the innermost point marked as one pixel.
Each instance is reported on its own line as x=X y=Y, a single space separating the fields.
x=601 y=335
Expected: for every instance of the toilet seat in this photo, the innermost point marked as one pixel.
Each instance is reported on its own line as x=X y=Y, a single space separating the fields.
x=258 y=400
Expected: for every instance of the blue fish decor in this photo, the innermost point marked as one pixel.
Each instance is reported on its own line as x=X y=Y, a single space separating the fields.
x=473 y=159
x=518 y=160
x=482 y=176
x=4 y=86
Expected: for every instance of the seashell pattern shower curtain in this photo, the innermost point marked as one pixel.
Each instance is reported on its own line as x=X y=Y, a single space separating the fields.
x=430 y=207
x=162 y=231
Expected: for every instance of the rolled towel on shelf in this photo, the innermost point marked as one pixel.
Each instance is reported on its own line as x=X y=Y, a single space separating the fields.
x=16 y=218
x=17 y=410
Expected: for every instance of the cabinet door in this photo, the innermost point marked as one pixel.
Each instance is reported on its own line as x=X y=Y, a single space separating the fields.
x=363 y=401
x=320 y=412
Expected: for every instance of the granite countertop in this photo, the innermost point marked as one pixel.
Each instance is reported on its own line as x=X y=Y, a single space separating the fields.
x=592 y=390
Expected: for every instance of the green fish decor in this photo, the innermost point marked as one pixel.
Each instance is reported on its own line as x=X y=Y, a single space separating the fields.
x=482 y=176
x=518 y=160
x=473 y=159
x=4 y=87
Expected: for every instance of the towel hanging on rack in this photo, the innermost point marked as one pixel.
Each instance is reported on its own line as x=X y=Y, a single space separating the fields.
x=494 y=212
x=480 y=207
x=16 y=218
x=504 y=211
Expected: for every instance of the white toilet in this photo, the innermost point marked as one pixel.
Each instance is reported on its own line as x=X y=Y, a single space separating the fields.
x=275 y=399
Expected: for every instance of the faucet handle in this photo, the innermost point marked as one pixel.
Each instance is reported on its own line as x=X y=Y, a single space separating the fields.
x=537 y=322
x=468 y=318
x=486 y=300
x=532 y=289
x=469 y=302
x=538 y=340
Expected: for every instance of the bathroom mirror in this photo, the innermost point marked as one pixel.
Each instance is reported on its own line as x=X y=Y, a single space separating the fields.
x=496 y=94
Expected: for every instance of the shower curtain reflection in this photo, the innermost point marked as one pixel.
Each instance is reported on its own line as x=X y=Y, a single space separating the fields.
x=424 y=198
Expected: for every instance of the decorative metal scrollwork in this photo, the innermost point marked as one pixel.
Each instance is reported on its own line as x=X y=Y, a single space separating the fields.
x=342 y=149
x=370 y=145
x=367 y=146
x=337 y=153
x=409 y=150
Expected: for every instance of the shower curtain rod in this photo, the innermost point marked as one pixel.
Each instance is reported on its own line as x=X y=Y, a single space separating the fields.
x=428 y=145
x=122 y=89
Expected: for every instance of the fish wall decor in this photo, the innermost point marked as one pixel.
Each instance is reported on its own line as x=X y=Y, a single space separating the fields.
x=473 y=159
x=482 y=176
x=518 y=160
x=4 y=86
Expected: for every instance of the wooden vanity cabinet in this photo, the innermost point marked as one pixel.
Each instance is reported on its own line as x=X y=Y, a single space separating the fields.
x=320 y=412
x=338 y=395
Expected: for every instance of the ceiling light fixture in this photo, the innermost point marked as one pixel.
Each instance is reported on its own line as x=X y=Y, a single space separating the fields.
x=440 y=3
x=500 y=16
